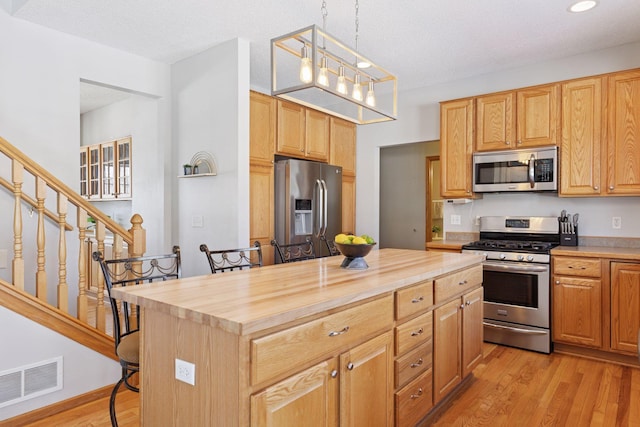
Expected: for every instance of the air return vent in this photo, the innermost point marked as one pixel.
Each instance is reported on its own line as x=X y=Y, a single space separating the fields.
x=29 y=381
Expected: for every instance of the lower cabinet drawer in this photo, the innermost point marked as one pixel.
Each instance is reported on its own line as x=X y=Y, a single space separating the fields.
x=455 y=283
x=415 y=331
x=418 y=360
x=275 y=354
x=414 y=400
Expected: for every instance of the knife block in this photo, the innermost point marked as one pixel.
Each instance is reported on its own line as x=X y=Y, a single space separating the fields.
x=569 y=239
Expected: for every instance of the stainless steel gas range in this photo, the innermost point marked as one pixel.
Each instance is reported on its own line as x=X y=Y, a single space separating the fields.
x=516 y=270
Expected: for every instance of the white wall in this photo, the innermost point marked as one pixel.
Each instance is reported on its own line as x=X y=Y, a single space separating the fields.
x=83 y=369
x=210 y=113
x=39 y=114
x=419 y=114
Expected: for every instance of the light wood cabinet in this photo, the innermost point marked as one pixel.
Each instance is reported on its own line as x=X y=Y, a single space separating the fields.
x=623 y=139
x=457 y=330
x=312 y=393
x=625 y=306
x=262 y=141
x=577 y=301
x=106 y=170
x=302 y=132
x=366 y=384
x=456 y=145
x=343 y=145
x=342 y=152
x=582 y=128
x=518 y=119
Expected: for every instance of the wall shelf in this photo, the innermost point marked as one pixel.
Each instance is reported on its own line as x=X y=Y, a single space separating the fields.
x=197 y=175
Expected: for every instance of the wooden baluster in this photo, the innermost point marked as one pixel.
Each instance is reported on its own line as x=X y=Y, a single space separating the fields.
x=63 y=287
x=137 y=249
x=83 y=265
x=41 y=274
x=118 y=244
x=100 y=312
x=17 y=171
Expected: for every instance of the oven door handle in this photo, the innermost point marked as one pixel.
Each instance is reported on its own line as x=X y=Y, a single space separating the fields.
x=512 y=329
x=506 y=266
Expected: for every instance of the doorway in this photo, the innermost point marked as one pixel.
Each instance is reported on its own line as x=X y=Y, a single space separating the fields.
x=434 y=225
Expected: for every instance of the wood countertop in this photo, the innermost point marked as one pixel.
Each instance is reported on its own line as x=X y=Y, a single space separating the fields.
x=455 y=245
x=250 y=301
x=631 y=254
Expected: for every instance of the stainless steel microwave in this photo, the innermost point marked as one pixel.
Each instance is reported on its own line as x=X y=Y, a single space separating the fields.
x=531 y=169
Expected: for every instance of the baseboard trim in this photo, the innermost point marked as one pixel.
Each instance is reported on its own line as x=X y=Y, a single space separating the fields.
x=58 y=407
x=599 y=355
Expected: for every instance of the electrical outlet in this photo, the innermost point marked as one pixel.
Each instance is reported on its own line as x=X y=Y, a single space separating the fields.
x=616 y=222
x=197 y=221
x=186 y=372
x=455 y=219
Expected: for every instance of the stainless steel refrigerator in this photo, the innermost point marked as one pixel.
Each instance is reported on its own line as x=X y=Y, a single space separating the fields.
x=308 y=202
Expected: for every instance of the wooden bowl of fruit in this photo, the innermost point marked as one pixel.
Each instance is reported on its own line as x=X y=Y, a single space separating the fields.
x=354 y=248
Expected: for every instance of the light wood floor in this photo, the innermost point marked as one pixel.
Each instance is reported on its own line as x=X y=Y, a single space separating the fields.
x=510 y=388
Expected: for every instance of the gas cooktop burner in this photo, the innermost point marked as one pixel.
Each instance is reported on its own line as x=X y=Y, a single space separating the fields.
x=511 y=245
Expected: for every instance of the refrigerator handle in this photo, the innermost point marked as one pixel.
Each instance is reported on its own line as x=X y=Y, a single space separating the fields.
x=324 y=206
x=319 y=209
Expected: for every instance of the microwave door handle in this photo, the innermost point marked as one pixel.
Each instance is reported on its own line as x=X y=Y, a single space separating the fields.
x=532 y=163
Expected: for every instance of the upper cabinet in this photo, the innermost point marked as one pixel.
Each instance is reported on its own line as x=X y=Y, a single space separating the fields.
x=302 y=132
x=456 y=143
x=342 y=143
x=623 y=139
x=106 y=170
x=518 y=119
x=582 y=128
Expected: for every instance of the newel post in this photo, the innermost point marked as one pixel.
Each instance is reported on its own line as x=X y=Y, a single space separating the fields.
x=139 y=237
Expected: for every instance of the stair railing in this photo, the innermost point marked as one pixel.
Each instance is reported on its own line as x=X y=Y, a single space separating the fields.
x=39 y=203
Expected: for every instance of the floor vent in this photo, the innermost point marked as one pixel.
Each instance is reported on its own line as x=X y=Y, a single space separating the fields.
x=29 y=381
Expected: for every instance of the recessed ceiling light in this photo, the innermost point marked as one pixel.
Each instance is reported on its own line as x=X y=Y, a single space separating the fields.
x=582 y=6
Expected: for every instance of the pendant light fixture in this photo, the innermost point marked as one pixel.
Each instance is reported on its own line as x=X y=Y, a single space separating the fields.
x=330 y=76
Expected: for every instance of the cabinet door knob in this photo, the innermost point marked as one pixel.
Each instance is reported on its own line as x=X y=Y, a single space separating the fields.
x=595 y=187
x=350 y=366
x=334 y=373
x=611 y=187
x=519 y=142
x=557 y=282
x=507 y=142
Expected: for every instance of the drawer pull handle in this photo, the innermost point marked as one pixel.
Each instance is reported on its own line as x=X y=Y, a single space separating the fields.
x=582 y=267
x=417 y=300
x=336 y=333
x=334 y=373
x=418 y=394
x=416 y=333
x=464 y=282
x=417 y=364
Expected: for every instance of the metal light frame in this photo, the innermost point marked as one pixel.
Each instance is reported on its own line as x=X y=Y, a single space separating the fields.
x=285 y=82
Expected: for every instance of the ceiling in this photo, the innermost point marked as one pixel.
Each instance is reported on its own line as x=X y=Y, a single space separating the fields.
x=422 y=42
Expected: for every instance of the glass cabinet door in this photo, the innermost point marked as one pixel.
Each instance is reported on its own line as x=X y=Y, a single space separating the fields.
x=108 y=171
x=124 y=168
x=84 y=172
x=94 y=172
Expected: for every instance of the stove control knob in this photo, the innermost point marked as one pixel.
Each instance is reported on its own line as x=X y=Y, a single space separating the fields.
x=503 y=256
x=530 y=258
x=520 y=257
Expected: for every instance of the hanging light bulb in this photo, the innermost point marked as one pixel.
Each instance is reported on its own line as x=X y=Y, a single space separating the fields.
x=357 y=89
x=323 y=76
x=371 y=97
x=306 y=73
x=342 y=83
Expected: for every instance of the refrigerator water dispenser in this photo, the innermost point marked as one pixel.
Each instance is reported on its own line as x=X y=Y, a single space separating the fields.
x=303 y=218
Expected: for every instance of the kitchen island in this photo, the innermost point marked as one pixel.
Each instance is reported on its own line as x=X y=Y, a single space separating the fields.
x=311 y=341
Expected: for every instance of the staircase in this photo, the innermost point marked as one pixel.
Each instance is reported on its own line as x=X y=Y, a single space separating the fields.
x=38 y=287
